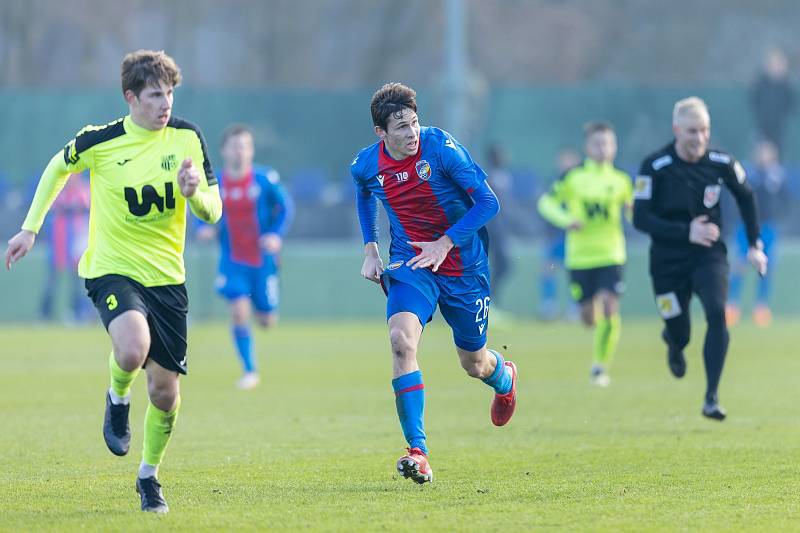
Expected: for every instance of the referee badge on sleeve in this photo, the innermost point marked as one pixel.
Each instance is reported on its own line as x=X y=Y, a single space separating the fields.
x=643 y=188
x=668 y=305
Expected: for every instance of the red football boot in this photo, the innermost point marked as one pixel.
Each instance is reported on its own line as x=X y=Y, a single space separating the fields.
x=415 y=465
x=503 y=405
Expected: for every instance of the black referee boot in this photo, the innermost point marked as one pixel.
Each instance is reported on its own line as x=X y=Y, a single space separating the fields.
x=712 y=409
x=675 y=358
x=116 y=431
x=152 y=498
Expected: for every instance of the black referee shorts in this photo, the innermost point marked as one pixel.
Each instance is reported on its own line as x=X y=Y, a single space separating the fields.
x=585 y=283
x=165 y=308
x=706 y=276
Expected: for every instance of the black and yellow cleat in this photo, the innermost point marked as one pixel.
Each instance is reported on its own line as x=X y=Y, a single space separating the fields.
x=152 y=498
x=116 y=430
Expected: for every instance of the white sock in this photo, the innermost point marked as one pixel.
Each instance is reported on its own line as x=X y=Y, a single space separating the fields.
x=146 y=470
x=117 y=400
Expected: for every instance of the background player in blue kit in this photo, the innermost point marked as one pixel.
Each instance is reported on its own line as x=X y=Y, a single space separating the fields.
x=438 y=202
x=257 y=215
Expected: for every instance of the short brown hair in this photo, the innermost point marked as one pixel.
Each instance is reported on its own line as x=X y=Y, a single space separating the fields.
x=596 y=126
x=147 y=67
x=390 y=100
x=233 y=130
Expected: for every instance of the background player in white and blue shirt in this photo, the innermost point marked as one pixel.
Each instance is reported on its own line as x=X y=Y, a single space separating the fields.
x=437 y=201
x=257 y=215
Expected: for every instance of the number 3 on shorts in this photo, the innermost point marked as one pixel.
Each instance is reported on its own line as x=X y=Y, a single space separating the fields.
x=112 y=302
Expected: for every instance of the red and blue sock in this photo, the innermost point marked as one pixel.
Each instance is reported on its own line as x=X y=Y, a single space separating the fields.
x=409 y=394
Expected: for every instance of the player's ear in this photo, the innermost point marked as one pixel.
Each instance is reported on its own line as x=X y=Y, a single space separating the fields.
x=380 y=132
x=130 y=96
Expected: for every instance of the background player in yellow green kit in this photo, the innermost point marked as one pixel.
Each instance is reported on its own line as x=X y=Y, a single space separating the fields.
x=145 y=169
x=588 y=202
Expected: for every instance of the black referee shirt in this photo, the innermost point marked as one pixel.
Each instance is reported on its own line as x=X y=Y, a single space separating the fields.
x=670 y=192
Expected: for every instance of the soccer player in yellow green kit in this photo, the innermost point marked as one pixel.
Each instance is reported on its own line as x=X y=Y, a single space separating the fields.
x=588 y=202
x=146 y=168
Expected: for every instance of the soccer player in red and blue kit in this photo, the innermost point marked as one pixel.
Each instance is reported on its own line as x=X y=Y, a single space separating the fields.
x=257 y=215
x=438 y=202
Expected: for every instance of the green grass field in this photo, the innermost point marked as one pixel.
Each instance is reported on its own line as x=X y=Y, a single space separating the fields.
x=314 y=448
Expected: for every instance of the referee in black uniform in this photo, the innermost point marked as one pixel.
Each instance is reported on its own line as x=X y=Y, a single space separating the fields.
x=676 y=201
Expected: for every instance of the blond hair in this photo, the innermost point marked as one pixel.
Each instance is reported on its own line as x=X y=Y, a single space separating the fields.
x=691 y=106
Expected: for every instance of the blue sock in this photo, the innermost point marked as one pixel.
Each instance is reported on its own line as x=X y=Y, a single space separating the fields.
x=244 y=347
x=500 y=380
x=410 y=401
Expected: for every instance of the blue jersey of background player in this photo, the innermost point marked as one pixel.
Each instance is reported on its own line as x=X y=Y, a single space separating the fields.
x=438 y=202
x=256 y=215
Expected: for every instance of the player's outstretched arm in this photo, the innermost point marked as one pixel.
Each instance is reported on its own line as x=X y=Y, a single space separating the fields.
x=551 y=207
x=53 y=179
x=204 y=199
x=19 y=245
x=373 y=264
x=736 y=181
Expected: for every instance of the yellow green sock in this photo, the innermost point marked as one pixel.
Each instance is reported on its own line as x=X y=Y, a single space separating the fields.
x=606 y=339
x=121 y=380
x=158 y=426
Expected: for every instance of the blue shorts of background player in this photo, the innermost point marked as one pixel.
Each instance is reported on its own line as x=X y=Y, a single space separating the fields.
x=259 y=284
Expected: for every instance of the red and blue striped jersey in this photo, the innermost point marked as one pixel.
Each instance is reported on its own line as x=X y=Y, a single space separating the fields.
x=253 y=206
x=424 y=195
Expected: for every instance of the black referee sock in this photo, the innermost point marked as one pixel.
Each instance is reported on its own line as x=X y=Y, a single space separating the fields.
x=714 y=351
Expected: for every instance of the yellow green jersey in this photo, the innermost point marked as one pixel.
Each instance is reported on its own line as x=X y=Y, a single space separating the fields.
x=137 y=219
x=593 y=196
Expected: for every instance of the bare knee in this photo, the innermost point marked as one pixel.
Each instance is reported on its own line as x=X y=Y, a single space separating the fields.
x=477 y=364
x=610 y=304
x=403 y=346
x=240 y=311
x=587 y=313
x=163 y=392
x=131 y=353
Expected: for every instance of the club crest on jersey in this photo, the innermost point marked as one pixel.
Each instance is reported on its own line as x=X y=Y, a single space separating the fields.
x=169 y=162
x=395 y=265
x=423 y=170
x=711 y=196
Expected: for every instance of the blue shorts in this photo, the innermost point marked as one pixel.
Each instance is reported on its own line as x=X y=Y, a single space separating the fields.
x=463 y=300
x=260 y=284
